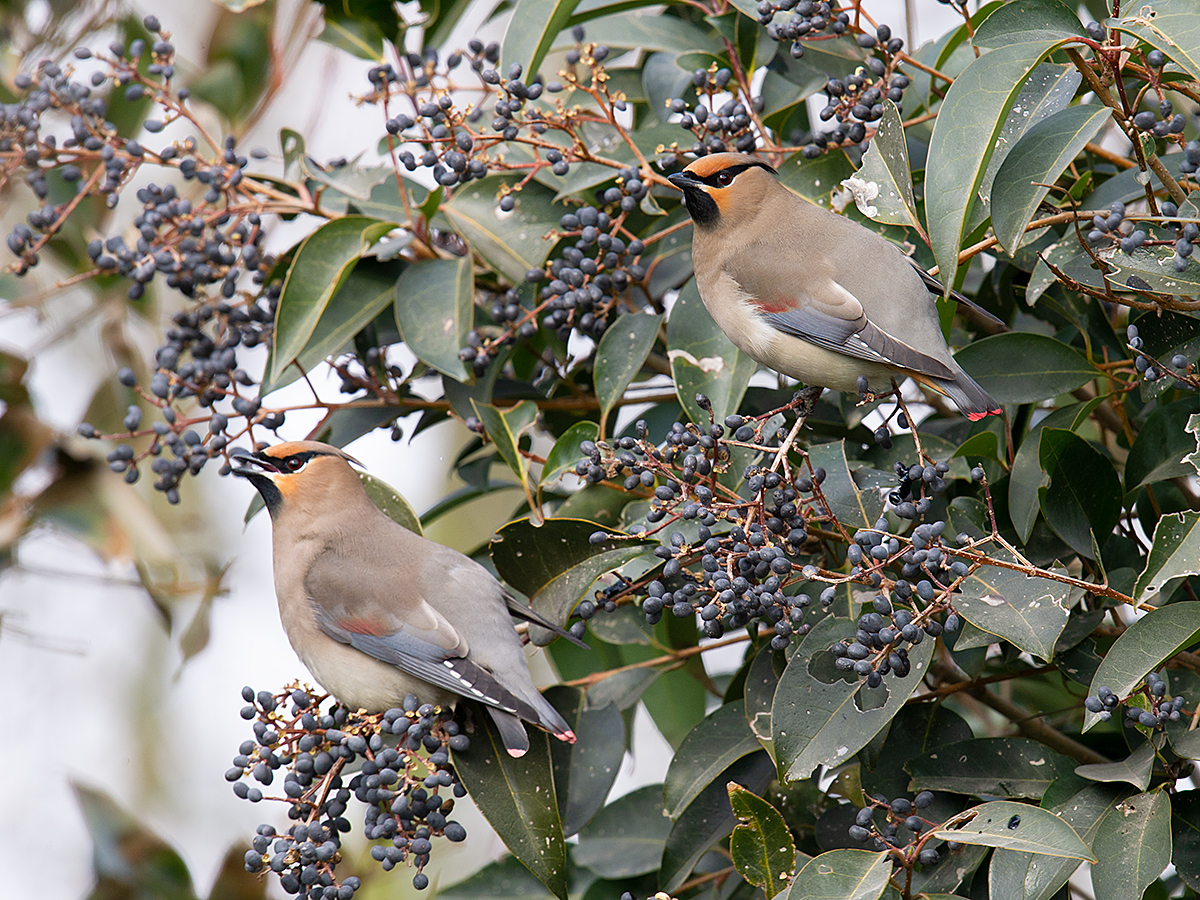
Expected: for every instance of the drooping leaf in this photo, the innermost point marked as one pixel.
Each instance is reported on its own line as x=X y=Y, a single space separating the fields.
x=1083 y=499
x=1042 y=154
x=505 y=428
x=435 y=306
x=626 y=837
x=584 y=772
x=703 y=360
x=619 y=356
x=1143 y=647
x=516 y=796
x=1019 y=367
x=320 y=265
x=964 y=138
x=1174 y=554
x=1017 y=826
x=1132 y=846
x=1135 y=769
x=816 y=722
x=708 y=750
x=1009 y=767
x=761 y=846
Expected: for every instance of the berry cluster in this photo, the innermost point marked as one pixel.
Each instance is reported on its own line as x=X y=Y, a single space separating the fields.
x=741 y=568
x=1184 y=370
x=896 y=814
x=718 y=128
x=1116 y=229
x=1159 y=707
x=1164 y=121
x=808 y=19
x=404 y=774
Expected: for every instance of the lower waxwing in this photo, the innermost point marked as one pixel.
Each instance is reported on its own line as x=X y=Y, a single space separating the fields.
x=812 y=294
x=377 y=612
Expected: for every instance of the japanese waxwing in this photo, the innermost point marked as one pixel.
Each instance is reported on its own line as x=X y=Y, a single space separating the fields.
x=812 y=294
x=377 y=612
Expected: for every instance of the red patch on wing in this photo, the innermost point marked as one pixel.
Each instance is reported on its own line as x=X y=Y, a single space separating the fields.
x=780 y=305
x=372 y=627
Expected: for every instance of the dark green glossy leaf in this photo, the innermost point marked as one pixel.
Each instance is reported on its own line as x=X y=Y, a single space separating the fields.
x=566 y=453
x=504 y=879
x=1161 y=445
x=435 y=309
x=1028 y=20
x=1185 y=834
x=531 y=30
x=1028 y=612
x=1018 y=826
x=917 y=729
x=761 y=682
x=1084 y=495
x=367 y=290
x=1032 y=876
x=1005 y=767
x=761 y=846
x=1135 y=769
x=321 y=265
x=619 y=356
x=1174 y=554
x=1170 y=25
x=1132 y=846
x=709 y=749
x=815 y=723
x=626 y=837
x=852 y=507
x=1019 y=367
x=844 y=874
x=645 y=29
x=1041 y=155
x=513 y=242
x=555 y=564
x=516 y=796
x=361 y=27
x=703 y=360
x=584 y=772
x=1143 y=647
x=505 y=428
x=963 y=140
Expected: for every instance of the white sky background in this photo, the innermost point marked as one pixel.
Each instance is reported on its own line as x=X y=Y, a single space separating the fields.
x=93 y=685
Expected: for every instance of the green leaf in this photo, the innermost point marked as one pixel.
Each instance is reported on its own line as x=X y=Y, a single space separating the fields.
x=505 y=429
x=1185 y=833
x=501 y=880
x=645 y=29
x=565 y=453
x=1193 y=428
x=761 y=846
x=1028 y=612
x=1161 y=448
x=1019 y=21
x=963 y=141
x=1040 y=156
x=709 y=749
x=619 y=356
x=1017 y=826
x=1020 y=367
x=816 y=722
x=532 y=29
x=626 y=837
x=1132 y=846
x=366 y=292
x=555 y=564
x=1084 y=495
x=917 y=729
x=887 y=195
x=513 y=242
x=129 y=859
x=584 y=772
x=435 y=309
x=1170 y=25
x=321 y=265
x=852 y=507
x=709 y=818
x=761 y=682
x=1006 y=767
x=844 y=875
x=1174 y=554
x=1135 y=769
x=391 y=502
x=1144 y=646
x=516 y=795
x=703 y=360
x=1031 y=876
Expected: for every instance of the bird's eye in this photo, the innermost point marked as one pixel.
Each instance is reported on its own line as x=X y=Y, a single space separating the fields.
x=724 y=179
x=295 y=464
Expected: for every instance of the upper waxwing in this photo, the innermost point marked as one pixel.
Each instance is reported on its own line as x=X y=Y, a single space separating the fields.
x=812 y=294
x=377 y=612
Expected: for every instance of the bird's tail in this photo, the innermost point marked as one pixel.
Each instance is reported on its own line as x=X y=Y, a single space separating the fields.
x=967 y=395
x=512 y=728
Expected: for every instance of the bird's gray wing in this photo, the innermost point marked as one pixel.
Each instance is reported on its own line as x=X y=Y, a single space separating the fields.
x=405 y=632
x=519 y=610
x=826 y=314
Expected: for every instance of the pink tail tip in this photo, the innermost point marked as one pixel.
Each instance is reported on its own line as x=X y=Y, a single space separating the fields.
x=516 y=752
x=976 y=416
x=568 y=736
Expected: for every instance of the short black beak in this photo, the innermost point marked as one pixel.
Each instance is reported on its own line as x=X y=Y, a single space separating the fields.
x=253 y=463
x=681 y=180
